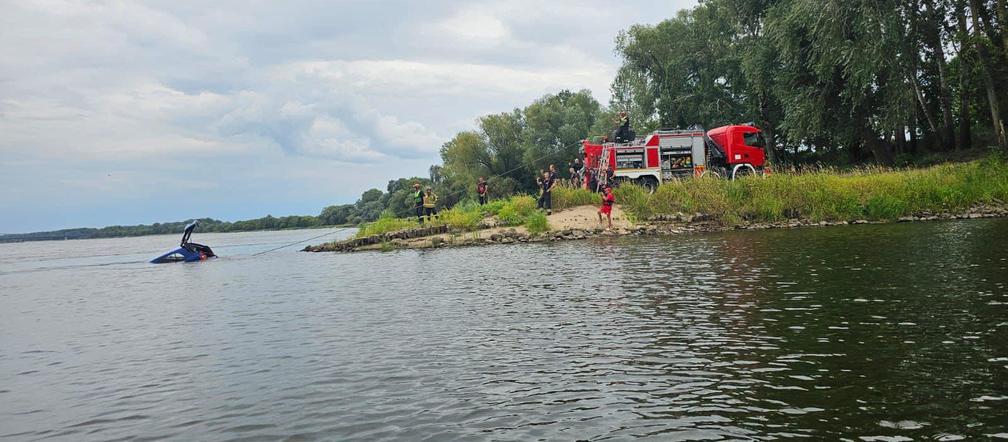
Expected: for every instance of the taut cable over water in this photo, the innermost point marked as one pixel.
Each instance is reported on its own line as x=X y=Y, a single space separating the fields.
x=302 y=241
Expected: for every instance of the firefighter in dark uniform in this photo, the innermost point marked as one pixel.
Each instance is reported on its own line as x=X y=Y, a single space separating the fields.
x=418 y=198
x=623 y=133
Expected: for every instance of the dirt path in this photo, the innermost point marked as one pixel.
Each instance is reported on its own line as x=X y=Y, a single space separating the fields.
x=585 y=218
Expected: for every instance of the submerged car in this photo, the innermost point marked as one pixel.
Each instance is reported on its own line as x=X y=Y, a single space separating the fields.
x=187 y=251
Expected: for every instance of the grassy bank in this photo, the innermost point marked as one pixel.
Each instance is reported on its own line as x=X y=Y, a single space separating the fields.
x=871 y=194
x=518 y=210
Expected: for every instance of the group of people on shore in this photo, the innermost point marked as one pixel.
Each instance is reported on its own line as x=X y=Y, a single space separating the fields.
x=549 y=181
x=425 y=200
x=424 y=203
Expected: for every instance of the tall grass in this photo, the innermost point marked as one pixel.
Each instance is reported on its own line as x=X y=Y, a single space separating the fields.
x=873 y=194
x=465 y=216
x=384 y=224
x=567 y=197
x=536 y=223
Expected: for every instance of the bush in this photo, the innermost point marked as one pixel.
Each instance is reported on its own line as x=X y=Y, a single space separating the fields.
x=536 y=223
x=516 y=210
x=386 y=223
x=492 y=208
x=466 y=216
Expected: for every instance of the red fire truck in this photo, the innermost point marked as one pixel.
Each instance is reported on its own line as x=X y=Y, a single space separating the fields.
x=728 y=151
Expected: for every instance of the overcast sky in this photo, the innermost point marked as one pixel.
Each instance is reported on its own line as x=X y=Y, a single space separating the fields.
x=130 y=112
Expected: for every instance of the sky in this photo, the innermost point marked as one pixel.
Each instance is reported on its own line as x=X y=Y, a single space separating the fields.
x=140 y=112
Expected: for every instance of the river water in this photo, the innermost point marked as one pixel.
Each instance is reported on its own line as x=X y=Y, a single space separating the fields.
x=884 y=332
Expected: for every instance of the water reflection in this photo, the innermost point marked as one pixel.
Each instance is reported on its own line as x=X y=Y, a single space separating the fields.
x=857 y=332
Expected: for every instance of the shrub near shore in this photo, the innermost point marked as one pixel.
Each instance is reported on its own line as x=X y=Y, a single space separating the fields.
x=467 y=216
x=870 y=194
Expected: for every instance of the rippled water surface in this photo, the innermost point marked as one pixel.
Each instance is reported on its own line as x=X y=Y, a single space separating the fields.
x=858 y=332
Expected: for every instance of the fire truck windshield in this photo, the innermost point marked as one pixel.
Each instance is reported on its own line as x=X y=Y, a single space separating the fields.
x=754 y=139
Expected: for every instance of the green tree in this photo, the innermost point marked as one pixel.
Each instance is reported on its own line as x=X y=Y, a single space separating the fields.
x=554 y=126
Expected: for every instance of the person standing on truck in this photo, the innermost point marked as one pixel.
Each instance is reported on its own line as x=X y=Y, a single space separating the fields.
x=623 y=133
x=418 y=198
x=430 y=204
x=608 y=199
x=481 y=190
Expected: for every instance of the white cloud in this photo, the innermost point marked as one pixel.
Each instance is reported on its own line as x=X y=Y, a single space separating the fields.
x=107 y=104
x=473 y=26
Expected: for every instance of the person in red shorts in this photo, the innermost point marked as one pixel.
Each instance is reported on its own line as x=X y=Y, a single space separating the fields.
x=607 y=202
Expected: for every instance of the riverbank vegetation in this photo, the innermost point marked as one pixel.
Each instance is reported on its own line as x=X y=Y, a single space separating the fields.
x=468 y=216
x=873 y=194
x=826 y=194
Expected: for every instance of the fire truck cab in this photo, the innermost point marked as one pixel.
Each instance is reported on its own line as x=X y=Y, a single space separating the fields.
x=728 y=151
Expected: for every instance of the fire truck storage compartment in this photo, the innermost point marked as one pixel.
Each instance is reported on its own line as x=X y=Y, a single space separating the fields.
x=630 y=158
x=679 y=154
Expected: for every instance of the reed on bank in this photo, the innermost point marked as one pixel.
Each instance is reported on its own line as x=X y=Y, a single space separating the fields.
x=827 y=195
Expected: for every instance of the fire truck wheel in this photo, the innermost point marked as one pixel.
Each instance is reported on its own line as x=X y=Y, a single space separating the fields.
x=649 y=183
x=713 y=173
x=743 y=170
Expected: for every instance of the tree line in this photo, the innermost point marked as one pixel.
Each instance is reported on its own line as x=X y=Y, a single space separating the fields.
x=267 y=222
x=836 y=81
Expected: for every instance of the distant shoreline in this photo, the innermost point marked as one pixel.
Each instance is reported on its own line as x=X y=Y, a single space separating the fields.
x=57 y=235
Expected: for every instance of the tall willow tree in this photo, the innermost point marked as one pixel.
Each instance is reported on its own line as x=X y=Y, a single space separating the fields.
x=844 y=80
x=843 y=77
x=679 y=72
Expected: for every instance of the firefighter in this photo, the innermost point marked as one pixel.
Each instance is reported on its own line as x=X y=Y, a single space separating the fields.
x=418 y=200
x=430 y=204
x=481 y=190
x=547 y=184
x=578 y=167
x=607 y=202
x=623 y=133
